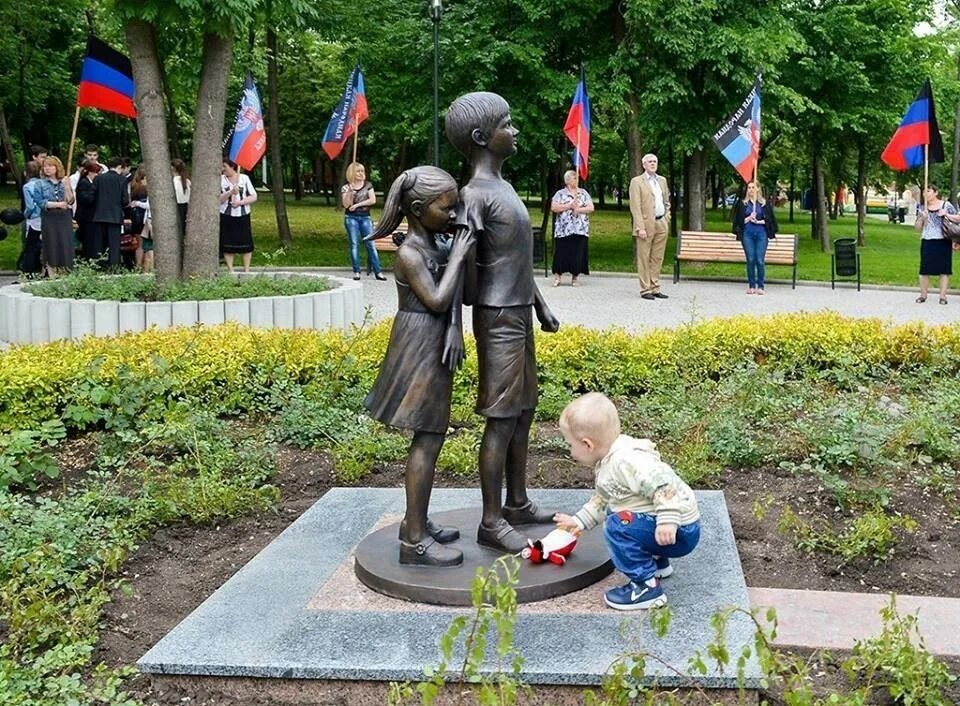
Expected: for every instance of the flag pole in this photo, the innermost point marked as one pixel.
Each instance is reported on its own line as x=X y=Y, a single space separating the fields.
x=73 y=139
x=926 y=167
x=356 y=134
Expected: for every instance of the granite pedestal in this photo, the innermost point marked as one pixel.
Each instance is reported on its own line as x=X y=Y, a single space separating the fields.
x=296 y=611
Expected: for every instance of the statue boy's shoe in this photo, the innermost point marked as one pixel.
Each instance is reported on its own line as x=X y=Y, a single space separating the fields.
x=502 y=537
x=528 y=514
x=429 y=552
x=442 y=534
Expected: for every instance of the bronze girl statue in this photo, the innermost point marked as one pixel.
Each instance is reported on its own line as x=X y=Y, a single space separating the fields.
x=415 y=382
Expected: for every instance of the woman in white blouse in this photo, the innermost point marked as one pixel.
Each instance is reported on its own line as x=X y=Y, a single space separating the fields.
x=236 y=195
x=181 y=187
x=572 y=207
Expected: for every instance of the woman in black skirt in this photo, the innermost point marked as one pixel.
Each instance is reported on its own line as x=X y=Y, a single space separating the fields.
x=236 y=195
x=936 y=252
x=572 y=207
x=57 y=221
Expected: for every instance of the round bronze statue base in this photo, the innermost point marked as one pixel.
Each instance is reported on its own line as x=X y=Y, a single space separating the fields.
x=377 y=564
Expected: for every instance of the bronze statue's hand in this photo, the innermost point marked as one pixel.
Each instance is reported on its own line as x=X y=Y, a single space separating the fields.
x=549 y=322
x=463 y=240
x=453 y=351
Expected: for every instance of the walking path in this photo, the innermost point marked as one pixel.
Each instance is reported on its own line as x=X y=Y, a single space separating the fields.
x=614 y=300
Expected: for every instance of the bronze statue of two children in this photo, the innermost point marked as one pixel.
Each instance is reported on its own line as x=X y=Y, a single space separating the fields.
x=488 y=264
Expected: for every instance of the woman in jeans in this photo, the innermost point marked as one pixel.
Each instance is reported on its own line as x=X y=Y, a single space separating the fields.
x=754 y=223
x=357 y=196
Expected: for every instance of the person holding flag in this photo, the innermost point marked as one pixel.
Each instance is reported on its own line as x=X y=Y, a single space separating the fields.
x=916 y=143
x=248 y=144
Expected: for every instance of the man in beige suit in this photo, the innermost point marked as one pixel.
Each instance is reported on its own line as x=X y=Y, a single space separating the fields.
x=650 y=208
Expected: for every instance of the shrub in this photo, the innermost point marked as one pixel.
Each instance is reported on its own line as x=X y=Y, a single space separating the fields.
x=89 y=283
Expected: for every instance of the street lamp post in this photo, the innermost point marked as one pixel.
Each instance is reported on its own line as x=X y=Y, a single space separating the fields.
x=436 y=8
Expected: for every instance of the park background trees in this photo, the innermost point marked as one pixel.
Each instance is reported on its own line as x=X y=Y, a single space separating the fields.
x=662 y=77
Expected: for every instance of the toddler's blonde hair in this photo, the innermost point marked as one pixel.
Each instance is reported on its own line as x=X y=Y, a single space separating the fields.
x=592 y=416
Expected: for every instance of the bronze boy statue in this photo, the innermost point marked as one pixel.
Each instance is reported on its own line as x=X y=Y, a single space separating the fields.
x=415 y=382
x=479 y=126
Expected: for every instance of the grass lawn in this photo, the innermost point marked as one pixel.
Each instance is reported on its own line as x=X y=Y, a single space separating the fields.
x=891 y=255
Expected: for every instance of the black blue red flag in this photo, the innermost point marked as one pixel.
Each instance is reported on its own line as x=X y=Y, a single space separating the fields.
x=739 y=138
x=347 y=116
x=577 y=128
x=249 y=141
x=918 y=128
x=106 y=80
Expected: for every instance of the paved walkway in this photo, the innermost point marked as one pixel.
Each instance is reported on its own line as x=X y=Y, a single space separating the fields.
x=614 y=300
x=834 y=620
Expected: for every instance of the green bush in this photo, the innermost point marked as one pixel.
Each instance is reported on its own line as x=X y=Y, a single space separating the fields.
x=90 y=283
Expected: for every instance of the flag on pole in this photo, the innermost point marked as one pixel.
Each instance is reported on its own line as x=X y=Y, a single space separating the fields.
x=249 y=142
x=577 y=127
x=347 y=116
x=106 y=80
x=739 y=138
x=918 y=128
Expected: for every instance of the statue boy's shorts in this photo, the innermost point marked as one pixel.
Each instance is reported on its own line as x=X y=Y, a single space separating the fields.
x=506 y=359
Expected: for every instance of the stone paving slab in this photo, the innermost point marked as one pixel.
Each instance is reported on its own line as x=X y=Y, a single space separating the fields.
x=835 y=620
x=293 y=611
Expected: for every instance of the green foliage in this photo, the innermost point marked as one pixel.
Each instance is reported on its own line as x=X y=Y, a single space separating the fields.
x=460 y=452
x=493 y=596
x=24 y=456
x=58 y=556
x=872 y=535
x=369 y=445
x=898 y=662
x=85 y=282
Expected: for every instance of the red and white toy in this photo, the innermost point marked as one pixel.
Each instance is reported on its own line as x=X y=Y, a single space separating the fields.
x=555 y=548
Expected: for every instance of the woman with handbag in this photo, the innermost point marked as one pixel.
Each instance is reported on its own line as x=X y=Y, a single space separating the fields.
x=754 y=223
x=936 y=250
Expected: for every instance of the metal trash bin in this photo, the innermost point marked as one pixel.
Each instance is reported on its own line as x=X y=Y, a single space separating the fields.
x=845 y=261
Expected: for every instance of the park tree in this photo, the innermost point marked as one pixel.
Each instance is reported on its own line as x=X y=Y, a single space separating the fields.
x=691 y=63
x=217 y=24
x=858 y=66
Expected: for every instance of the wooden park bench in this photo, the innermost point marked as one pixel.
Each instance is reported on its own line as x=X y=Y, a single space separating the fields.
x=700 y=246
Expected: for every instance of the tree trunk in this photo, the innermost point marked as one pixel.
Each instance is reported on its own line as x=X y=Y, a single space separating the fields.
x=152 y=126
x=273 y=140
x=173 y=127
x=693 y=201
x=297 y=180
x=634 y=150
x=8 y=148
x=201 y=246
x=820 y=202
x=861 y=195
x=791 y=195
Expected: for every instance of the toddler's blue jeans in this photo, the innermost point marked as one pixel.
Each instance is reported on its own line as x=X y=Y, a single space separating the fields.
x=632 y=543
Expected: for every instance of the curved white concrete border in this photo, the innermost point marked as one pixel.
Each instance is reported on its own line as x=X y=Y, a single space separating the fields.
x=25 y=318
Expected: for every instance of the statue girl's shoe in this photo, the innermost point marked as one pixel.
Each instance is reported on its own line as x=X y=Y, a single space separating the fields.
x=502 y=537
x=527 y=514
x=442 y=534
x=429 y=552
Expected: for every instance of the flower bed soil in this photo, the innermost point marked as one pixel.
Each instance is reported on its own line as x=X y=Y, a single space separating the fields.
x=179 y=567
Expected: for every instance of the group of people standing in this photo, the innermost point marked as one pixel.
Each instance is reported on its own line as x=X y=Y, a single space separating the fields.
x=108 y=203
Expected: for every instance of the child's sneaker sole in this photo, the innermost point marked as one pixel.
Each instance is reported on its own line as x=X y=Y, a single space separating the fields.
x=664 y=572
x=657 y=602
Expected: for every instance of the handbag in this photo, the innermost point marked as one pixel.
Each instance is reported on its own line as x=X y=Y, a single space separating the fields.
x=129 y=242
x=949 y=229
